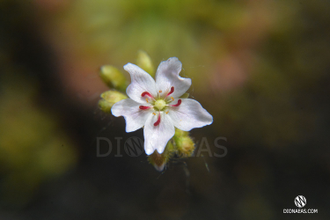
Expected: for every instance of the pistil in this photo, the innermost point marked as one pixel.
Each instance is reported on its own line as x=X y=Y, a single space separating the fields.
x=172 y=90
x=142 y=107
x=177 y=104
x=146 y=94
x=158 y=120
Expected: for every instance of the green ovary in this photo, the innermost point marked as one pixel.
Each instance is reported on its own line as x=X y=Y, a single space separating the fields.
x=160 y=104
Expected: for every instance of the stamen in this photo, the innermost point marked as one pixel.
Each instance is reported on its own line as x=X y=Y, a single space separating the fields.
x=172 y=90
x=147 y=99
x=146 y=94
x=172 y=98
x=154 y=113
x=160 y=91
x=177 y=104
x=144 y=107
x=167 y=112
x=158 y=121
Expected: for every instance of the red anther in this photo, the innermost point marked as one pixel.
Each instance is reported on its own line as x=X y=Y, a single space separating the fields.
x=177 y=104
x=144 y=107
x=158 y=121
x=146 y=94
x=172 y=90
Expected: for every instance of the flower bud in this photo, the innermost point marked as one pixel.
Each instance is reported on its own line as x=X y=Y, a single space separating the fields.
x=113 y=77
x=109 y=98
x=179 y=133
x=185 y=146
x=144 y=61
x=105 y=106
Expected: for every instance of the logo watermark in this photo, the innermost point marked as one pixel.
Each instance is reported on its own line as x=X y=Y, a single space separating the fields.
x=300 y=201
x=134 y=147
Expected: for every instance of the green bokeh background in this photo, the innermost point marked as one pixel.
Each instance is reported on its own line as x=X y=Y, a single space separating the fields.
x=261 y=68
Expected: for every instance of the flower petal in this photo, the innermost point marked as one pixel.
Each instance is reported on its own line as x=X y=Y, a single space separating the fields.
x=135 y=117
x=189 y=114
x=156 y=137
x=141 y=82
x=167 y=75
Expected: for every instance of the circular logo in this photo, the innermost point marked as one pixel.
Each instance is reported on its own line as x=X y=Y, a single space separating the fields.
x=133 y=146
x=300 y=201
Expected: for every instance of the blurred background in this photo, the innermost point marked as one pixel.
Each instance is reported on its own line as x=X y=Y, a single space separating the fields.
x=261 y=68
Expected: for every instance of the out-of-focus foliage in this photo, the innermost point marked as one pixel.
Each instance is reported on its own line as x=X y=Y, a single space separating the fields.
x=32 y=148
x=283 y=99
x=163 y=28
x=200 y=33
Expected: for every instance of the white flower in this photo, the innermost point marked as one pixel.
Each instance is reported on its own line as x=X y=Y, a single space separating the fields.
x=157 y=105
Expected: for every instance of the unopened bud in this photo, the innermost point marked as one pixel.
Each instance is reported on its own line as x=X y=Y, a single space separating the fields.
x=185 y=146
x=179 y=133
x=109 y=98
x=144 y=61
x=113 y=77
x=105 y=106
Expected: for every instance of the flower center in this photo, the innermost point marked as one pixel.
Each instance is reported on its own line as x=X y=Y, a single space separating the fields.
x=160 y=104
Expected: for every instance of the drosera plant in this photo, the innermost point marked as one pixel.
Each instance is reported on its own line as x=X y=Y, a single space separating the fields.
x=160 y=106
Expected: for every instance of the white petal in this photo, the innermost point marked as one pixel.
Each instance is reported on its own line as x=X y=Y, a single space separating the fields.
x=135 y=118
x=189 y=114
x=156 y=137
x=141 y=82
x=167 y=75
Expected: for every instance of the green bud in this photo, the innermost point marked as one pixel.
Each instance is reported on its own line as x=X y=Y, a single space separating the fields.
x=113 y=96
x=179 y=133
x=113 y=77
x=109 y=98
x=105 y=106
x=144 y=61
x=185 y=146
